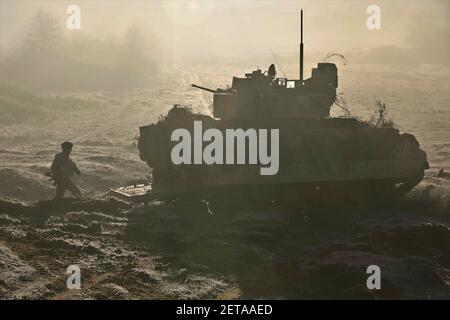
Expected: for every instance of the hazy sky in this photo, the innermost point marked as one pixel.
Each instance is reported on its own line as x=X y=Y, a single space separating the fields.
x=227 y=27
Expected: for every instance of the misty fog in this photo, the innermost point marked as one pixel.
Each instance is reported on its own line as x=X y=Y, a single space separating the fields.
x=123 y=45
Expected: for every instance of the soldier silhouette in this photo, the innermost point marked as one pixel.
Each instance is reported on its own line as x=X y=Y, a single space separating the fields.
x=62 y=171
x=272 y=72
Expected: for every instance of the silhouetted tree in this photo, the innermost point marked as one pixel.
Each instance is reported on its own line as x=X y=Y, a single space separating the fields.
x=44 y=35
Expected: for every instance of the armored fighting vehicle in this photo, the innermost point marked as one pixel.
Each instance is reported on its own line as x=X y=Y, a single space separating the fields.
x=319 y=156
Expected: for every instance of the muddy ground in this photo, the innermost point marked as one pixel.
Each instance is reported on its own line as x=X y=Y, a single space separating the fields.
x=172 y=250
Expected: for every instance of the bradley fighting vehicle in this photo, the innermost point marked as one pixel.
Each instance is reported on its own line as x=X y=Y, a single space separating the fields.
x=319 y=157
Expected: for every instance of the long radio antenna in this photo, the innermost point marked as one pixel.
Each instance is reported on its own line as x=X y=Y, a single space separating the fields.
x=301 y=45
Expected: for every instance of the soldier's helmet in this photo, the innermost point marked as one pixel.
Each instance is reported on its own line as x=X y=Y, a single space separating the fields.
x=67 y=145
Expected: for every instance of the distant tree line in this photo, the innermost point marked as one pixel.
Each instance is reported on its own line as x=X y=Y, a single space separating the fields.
x=51 y=59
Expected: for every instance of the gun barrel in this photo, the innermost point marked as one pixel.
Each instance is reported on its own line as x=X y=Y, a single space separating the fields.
x=203 y=88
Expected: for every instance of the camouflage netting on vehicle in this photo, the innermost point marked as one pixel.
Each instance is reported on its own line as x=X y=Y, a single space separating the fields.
x=154 y=141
